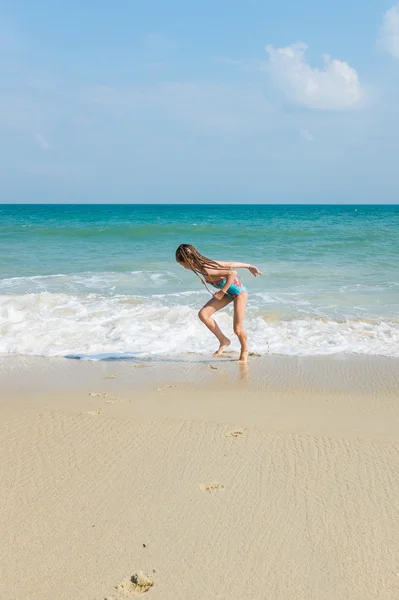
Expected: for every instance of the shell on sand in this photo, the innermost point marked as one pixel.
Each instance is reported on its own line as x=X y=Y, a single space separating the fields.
x=234 y=434
x=139 y=583
x=211 y=486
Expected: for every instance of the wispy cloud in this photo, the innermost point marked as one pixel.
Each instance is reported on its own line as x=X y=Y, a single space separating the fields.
x=306 y=134
x=336 y=87
x=388 y=39
x=43 y=143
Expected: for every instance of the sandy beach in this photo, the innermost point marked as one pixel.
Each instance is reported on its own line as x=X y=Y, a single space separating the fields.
x=192 y=479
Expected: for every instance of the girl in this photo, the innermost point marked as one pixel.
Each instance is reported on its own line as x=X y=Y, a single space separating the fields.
x=221 y=275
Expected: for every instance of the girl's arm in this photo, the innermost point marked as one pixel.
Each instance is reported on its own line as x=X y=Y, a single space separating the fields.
x=227 y=273
x=229 y=280
x=237 y=265
x=233 y=265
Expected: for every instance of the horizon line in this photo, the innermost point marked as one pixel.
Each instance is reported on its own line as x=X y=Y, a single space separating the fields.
x=195 y=204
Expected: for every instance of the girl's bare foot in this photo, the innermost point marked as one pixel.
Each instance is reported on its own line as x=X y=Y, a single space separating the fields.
x=243 y=356
x=223 y=345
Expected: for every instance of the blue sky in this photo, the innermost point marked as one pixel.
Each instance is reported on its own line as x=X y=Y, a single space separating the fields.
x=211 y=101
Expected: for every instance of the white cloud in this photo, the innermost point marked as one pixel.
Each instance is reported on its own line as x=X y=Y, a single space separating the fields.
x=305 y=133
x=43 y=143
x=335 y=87
x=389 y=32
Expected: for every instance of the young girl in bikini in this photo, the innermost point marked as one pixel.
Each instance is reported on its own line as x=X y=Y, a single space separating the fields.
x=221 y=275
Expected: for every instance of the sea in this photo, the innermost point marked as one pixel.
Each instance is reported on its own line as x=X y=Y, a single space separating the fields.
x=101 y=282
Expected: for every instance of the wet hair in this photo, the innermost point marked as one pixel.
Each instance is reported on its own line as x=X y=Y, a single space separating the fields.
x=188 y=255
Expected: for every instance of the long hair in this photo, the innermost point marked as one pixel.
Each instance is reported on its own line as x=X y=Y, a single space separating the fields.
x=197 y=262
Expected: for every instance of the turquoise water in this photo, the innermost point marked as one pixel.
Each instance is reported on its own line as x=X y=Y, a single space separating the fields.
x=101 y=280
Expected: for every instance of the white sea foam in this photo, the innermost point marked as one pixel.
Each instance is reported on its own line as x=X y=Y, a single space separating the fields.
x=102 y=282
x=92 y=326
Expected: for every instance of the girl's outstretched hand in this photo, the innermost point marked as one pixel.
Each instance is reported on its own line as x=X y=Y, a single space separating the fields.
x=254 y=270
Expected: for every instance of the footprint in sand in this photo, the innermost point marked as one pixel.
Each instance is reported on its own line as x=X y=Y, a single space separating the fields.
x=211 y=486
x=235 y=434
x=138 y=584
x=107 y=397
x=93 y=413
x=114 y=400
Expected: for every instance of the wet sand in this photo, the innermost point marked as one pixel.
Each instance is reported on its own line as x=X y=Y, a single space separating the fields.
x=196 y=478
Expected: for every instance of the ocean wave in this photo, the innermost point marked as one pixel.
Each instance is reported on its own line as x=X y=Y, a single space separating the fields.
x=92 y=325
x=102 y=282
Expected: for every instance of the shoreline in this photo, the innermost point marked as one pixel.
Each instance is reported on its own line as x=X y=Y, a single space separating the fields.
x=280 y=481
x=352 y=372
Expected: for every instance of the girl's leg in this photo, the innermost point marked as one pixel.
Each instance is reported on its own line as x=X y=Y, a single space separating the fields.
x=205 y=315
x=240 y=304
